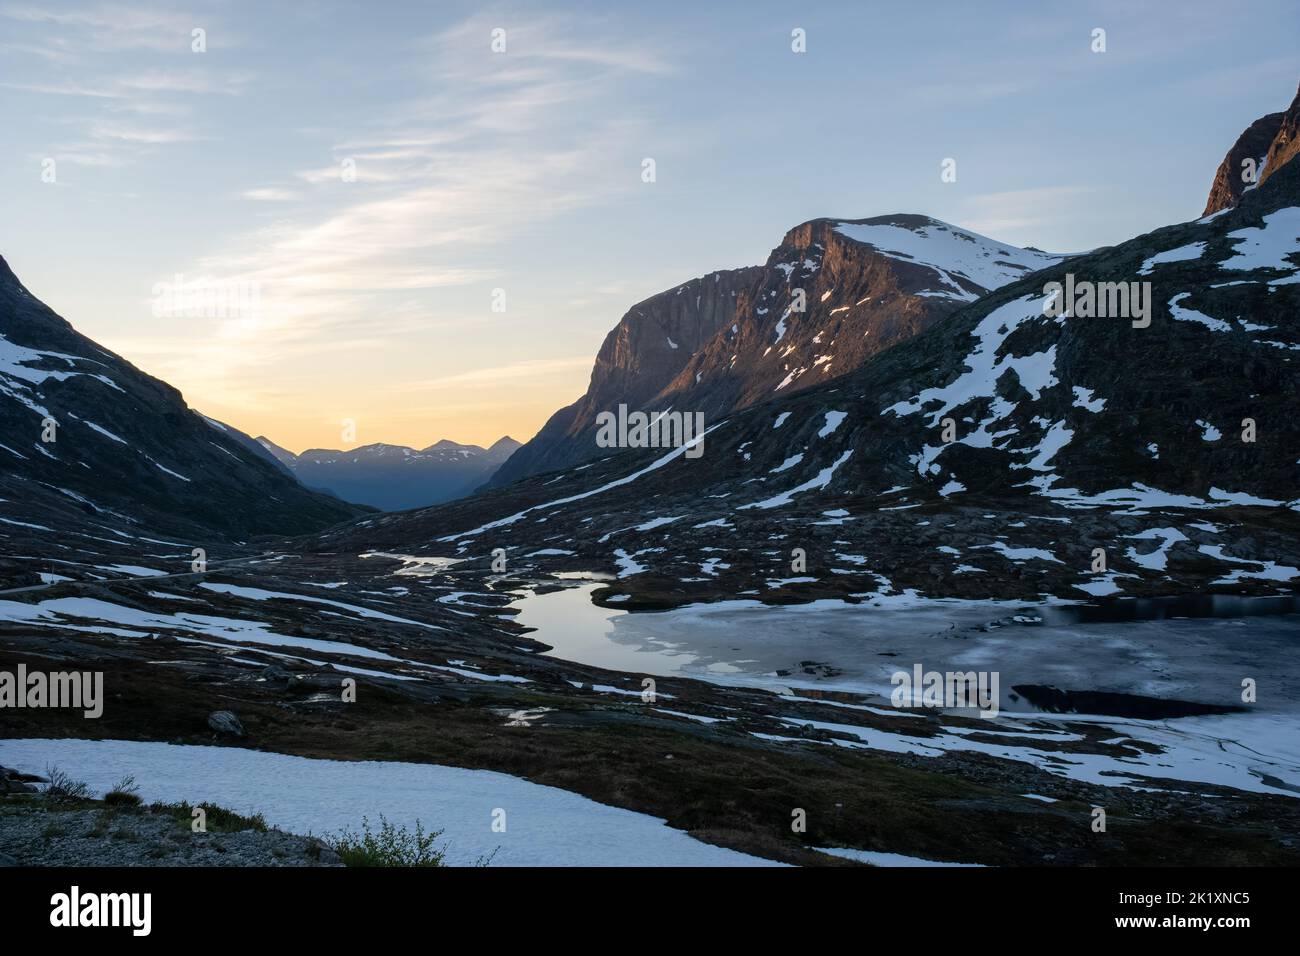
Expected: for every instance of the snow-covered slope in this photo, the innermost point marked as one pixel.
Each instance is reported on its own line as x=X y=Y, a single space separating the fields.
x=965 y=264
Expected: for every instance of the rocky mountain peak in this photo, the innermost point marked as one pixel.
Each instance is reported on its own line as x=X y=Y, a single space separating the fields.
x=1266 y=146
x=1286 y=141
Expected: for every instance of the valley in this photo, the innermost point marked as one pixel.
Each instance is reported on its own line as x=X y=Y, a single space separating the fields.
x=686 y=655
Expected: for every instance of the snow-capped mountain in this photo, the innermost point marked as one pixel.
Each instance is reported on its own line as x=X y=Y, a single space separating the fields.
x=87 y=437
x=833 y=294
x=866 y=285
x=394 y=477
x=1024 y=446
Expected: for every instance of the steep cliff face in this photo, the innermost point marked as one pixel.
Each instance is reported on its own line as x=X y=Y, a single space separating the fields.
x=1253 y=144
x=1269 y=143
x=1286 y=141
x=639 y=358
x=834 y=294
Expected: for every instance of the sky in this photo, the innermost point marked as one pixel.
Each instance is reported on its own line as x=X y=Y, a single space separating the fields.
x=420 y=236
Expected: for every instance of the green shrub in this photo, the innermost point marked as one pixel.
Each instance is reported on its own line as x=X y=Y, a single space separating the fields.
x=392 y=845
x=124 y=794
x=63 y=787
x=216 y=819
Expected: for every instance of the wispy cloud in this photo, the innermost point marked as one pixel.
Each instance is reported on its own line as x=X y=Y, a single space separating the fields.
x=105 y=27
x=186 y=81
x=513 y=373
x=65 y=89
x=270 y=194
x=119 y=60
x=1004 y=214
x=431 y=191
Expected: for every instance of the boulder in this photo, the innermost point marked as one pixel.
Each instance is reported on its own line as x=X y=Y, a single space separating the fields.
x=224 y=722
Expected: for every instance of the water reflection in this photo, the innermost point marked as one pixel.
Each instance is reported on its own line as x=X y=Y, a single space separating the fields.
x=1192 y=649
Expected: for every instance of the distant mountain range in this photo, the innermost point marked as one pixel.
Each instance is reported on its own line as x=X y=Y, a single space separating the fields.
x=395 y=477
x=831 y=296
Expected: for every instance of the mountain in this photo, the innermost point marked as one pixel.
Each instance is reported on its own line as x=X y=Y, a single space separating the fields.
x=833 y=294
x=868 y=284
x=1270 y=142
x=1163 y=444
x=254 y=445
x=127 y=451
x=394 y=477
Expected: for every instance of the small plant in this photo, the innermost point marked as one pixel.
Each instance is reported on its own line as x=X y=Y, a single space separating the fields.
x=125 y=793
x=392 y=845
x=216 y=819
x=63 y=787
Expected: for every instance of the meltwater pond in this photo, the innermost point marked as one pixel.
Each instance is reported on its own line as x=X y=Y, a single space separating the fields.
x=836 y=646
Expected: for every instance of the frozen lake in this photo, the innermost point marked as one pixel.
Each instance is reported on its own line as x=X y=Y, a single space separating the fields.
x=858 y=647
x=829 y=645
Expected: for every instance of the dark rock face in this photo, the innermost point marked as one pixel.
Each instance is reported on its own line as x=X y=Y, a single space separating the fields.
x=1271 y=141
x=1057 y=701
x=11 y=781
x=866 y=285
x=1253 y=144
x=830 y=296
x=639 y=358
x=394 y=477
x=127 y=449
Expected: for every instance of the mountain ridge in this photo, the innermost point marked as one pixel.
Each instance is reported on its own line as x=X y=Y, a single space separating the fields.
x=889 y=277
x=396 y=477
